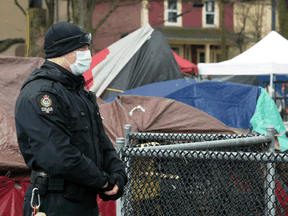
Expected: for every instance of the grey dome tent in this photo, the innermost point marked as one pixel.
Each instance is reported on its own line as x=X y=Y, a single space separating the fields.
x=140 y=58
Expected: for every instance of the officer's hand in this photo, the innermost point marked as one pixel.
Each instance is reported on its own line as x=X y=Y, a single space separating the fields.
x=113 y=191
x=105 y=186
x=109 y=184
x=119 y=181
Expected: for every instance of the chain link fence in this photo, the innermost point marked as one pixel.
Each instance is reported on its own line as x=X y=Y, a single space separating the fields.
x=203 y=174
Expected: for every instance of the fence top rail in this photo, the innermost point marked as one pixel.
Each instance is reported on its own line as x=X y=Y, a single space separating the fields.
x=208 y=155
x=188 y=137
x=208 y=145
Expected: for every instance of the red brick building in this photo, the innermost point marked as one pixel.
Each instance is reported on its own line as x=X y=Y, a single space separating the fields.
x=195 y=35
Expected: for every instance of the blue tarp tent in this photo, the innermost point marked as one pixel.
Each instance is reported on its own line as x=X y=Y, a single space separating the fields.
x=237 y=105
x=233 y=104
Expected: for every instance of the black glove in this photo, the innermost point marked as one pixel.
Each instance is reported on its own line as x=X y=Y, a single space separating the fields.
x=120 y=180
x=106 y=176
x=111 y=183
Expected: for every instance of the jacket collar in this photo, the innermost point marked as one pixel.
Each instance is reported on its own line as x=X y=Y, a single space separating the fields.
x=70 y=80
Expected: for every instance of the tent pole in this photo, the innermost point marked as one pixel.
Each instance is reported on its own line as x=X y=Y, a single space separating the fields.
x=271 y=84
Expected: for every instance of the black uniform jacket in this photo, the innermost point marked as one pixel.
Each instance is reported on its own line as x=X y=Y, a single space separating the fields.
x=60 y=130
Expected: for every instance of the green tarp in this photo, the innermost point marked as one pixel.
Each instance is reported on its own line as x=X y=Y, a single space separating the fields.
x=267 y=114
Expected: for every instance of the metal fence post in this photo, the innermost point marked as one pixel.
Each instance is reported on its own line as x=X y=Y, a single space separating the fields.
x=270 y=176
x=120 y=142
x=119 y=146
x=128 y=198
x=127 y=129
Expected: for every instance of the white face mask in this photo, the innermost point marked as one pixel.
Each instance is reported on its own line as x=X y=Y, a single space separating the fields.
x=82 y=63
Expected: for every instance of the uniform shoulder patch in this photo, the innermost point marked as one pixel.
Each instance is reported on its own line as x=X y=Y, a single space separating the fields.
x=46 y=102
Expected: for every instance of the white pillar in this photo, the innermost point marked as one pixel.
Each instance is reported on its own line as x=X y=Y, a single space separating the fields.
x=145 y=13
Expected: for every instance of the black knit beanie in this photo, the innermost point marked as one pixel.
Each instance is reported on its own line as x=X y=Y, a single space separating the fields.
x=59 y=31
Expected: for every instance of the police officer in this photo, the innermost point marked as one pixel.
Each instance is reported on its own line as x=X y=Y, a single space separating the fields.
x=60 y=131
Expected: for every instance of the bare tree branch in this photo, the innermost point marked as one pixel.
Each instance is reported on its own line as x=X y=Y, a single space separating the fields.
x=129 y=4
x=179 y=15
x=283 y=18
x=20 y=7
x=46 y=1
x=242 y=33
x=9 y=42
x=257 y=19
x=51 y=12
x=115 y=6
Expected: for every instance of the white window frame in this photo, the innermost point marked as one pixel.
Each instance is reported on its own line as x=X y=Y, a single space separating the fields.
x=178 y=11
x=210 y=13
x=215 y=13
x=172 y=11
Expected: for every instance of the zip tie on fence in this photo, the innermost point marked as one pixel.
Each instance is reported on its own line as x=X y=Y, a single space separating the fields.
x=185 y=160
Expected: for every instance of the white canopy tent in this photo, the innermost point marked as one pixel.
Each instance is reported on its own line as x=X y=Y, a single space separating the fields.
x=268 y=56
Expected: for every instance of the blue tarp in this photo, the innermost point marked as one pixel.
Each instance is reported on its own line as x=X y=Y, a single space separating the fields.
x=236 y=105
x=231 y=103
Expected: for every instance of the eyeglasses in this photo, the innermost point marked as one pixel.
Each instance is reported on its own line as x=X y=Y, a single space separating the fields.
x=83 y=38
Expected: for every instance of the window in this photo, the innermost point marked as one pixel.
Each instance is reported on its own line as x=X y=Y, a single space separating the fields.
x=210 y=13
x=201 y=57
x=172 y=11
x=172 y=8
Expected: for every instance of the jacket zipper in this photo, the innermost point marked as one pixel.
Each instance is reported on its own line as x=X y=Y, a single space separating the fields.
x=92 y=148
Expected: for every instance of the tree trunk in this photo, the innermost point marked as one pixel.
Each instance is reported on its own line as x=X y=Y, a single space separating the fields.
x=259 y=20
x=68 y=11
x=223 y=31
x=245 y=8
x=35 y=32
x=283 y=17
x=51 y=14
x=75 y=12
x=89 y=8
